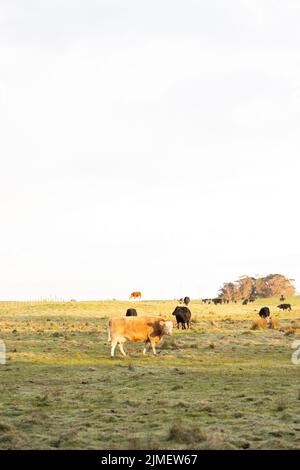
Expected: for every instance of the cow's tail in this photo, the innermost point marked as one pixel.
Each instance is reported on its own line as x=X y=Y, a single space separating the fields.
x=109 y=331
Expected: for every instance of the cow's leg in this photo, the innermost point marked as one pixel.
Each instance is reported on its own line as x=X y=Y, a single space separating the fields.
x=121 y=348
x=153 y=347
x=113 y=347
x=146 y=347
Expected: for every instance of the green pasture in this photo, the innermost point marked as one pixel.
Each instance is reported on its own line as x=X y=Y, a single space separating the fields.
x=219 y=385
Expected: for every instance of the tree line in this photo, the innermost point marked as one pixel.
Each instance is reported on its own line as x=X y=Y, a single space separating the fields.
x=247 y=287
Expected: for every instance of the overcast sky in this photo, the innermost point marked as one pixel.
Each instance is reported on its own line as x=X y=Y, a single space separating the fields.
x=147 y=145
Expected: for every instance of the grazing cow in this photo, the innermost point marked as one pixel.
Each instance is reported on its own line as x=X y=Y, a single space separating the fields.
x=245 y=301
x=184 y=300
x=131 y=312
x=135 y=295
x=147 y=329
x=265 y=314
x=183 y=316
x=284 y=307
x=282 y=299
x=217 y=300
x=252 y=299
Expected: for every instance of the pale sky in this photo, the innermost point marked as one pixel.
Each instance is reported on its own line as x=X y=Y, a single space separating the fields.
x=147 y=145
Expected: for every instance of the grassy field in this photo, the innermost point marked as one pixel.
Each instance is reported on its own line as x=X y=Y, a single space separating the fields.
x=219 y=385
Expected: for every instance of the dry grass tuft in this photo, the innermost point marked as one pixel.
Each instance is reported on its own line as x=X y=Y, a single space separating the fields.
x=139 y=443
x=281 y=405
x=10 y=437
x=274 y=323
x=186 y=433
x=169 y=344
x=258 y=324
x=288 y=330
x=261 y=324
x=215 y=441
x=5 y=428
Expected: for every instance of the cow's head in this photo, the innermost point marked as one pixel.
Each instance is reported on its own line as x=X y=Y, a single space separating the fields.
x=167 y=327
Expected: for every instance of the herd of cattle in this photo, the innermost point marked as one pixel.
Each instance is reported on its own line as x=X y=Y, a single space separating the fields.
x=151 y=329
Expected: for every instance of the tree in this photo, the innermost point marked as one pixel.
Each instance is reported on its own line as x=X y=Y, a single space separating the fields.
x=250 y=287
x=228 y=291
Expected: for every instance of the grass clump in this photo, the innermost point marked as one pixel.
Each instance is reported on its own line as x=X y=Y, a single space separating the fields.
x=281 y=405
x=261 y=324
x=142 y=443
x=186 y=433
x=169 y=344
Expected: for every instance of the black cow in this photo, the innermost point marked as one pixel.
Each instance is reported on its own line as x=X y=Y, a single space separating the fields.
x=284 y=307
x=131 y=312
x=217 y=301
x=264 y=312
x=245 y=301
x=183 y=316
x=184 y=300
x=282 y=299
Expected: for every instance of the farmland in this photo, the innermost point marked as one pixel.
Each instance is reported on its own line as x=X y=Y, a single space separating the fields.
x=219 y=385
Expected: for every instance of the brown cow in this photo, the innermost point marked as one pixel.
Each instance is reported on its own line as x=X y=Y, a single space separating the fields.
x=137 y=329
x=135 y=295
